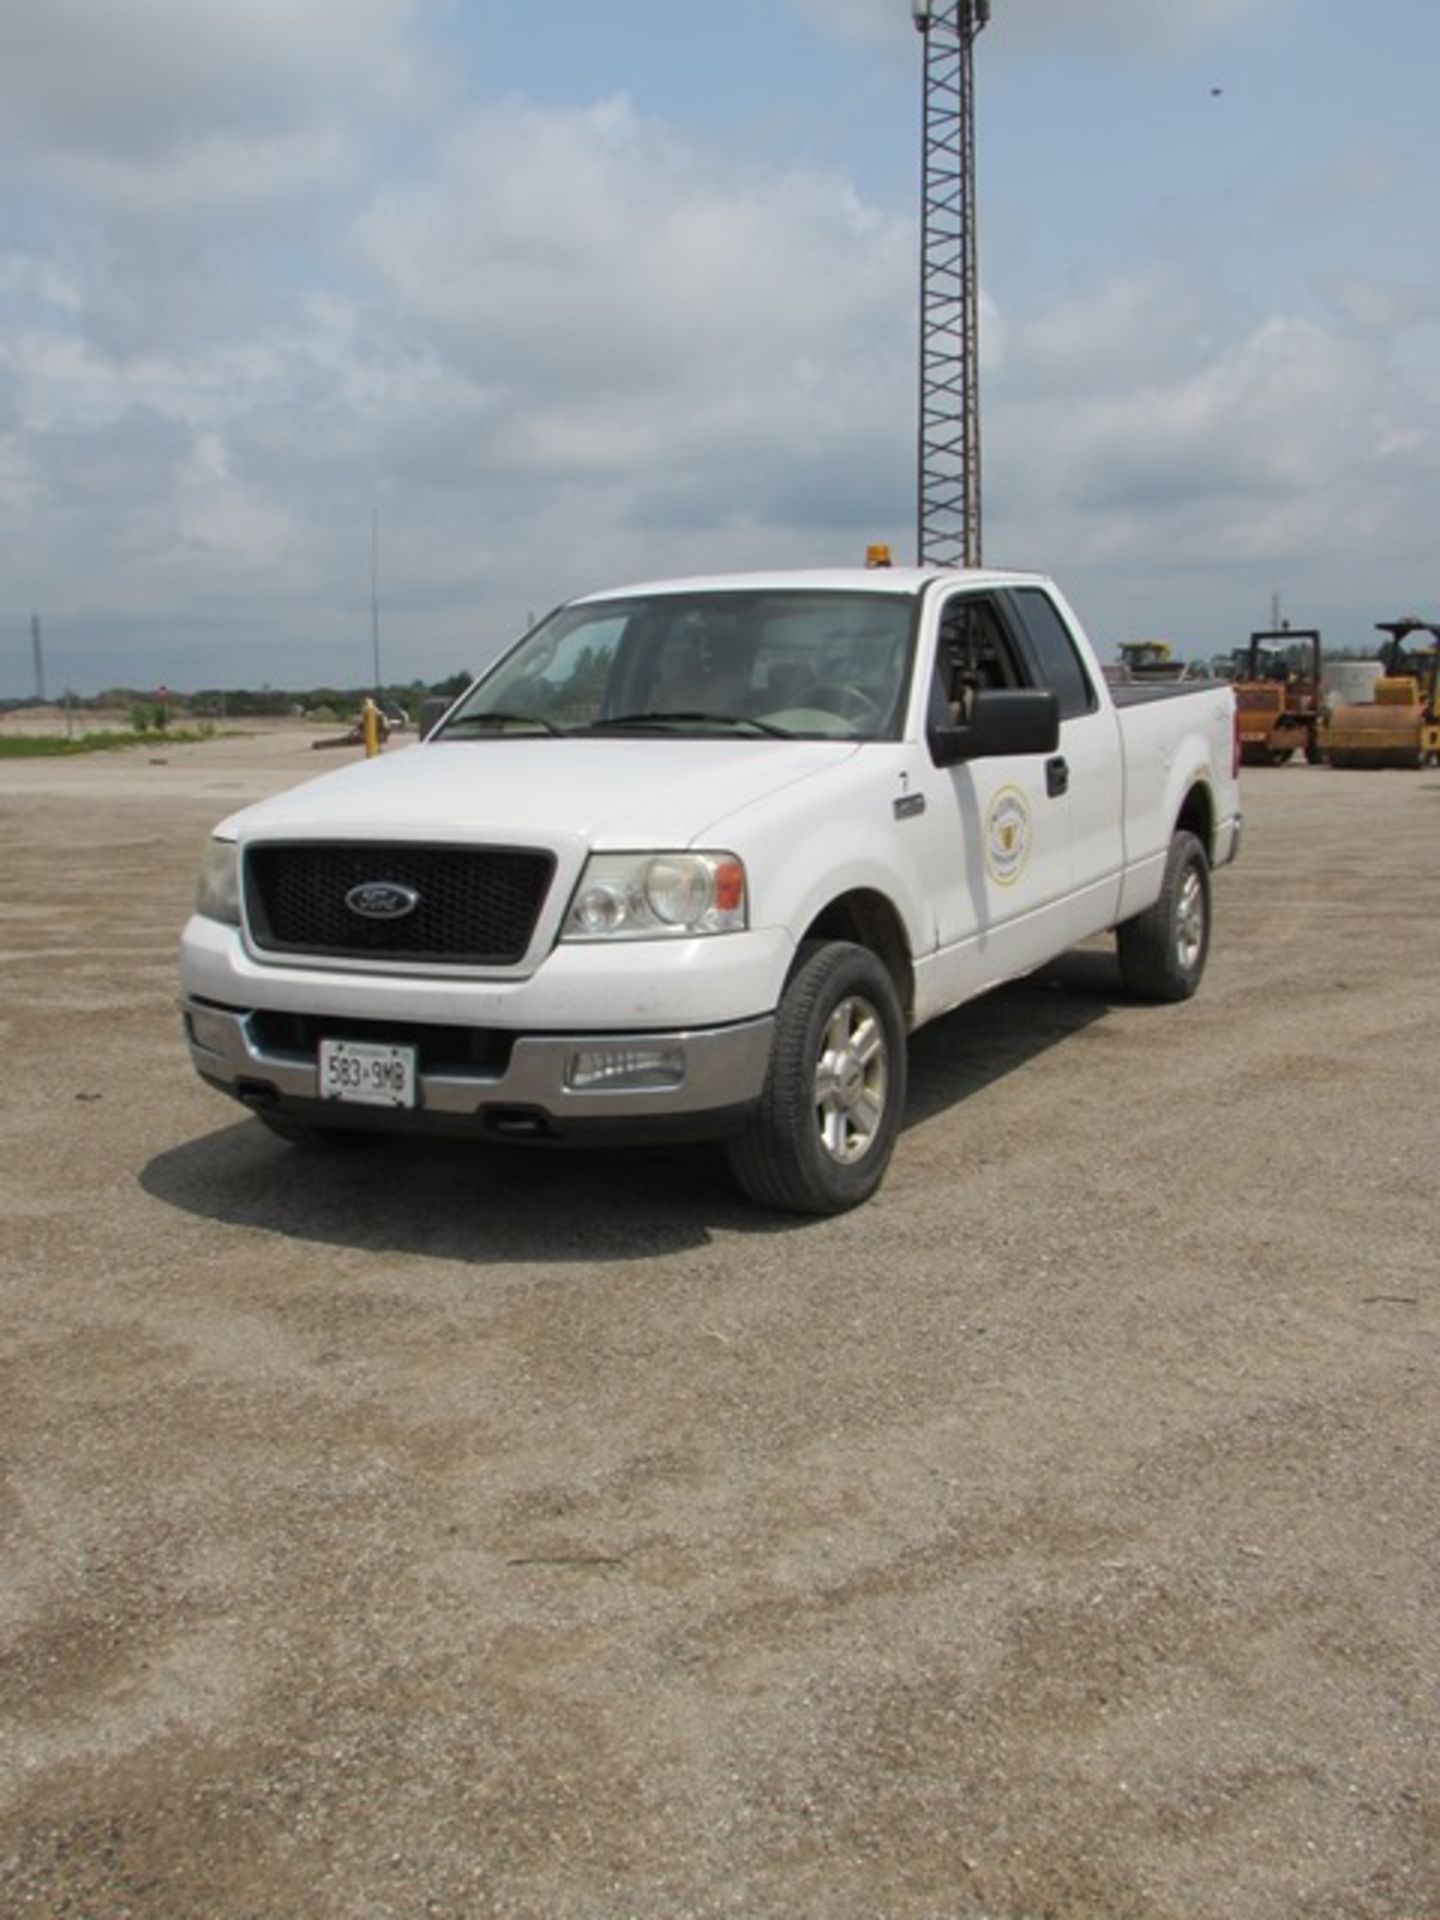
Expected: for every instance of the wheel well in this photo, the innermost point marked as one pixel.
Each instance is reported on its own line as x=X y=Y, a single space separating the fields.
x=1197 y=816
x=871 y=921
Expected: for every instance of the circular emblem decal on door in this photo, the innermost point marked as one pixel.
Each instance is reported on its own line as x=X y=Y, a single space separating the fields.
x=1007 y=835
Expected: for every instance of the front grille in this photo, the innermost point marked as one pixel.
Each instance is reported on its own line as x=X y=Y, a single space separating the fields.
x=1259 y=699
x=477 y=905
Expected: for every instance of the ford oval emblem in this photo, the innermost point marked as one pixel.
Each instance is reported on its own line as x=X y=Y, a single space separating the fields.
x=382 y=900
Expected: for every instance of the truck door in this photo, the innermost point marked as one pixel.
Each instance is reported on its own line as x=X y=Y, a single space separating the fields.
x=1089 y=774
x=998 y=859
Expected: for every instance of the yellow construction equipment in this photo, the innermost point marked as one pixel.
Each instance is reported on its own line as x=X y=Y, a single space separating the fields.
x=1399 y=726
x=1277 y=696
x=1149 y=659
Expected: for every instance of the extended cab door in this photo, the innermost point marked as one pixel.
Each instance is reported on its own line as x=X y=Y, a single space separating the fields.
x=997 y=833
x=1086 y=786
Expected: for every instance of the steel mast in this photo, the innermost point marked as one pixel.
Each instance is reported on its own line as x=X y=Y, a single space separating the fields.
x=948 y=533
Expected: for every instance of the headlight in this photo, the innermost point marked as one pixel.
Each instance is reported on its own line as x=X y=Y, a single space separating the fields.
x=217 y=893
x=647 y=896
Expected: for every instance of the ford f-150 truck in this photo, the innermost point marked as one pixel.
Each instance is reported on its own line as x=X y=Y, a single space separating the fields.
x=692 y=857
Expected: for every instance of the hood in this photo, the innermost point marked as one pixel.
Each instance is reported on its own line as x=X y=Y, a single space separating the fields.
x=523 y=791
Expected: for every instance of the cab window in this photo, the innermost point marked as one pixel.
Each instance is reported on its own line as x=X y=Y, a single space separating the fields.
x=975 y=653
x=1058 y=665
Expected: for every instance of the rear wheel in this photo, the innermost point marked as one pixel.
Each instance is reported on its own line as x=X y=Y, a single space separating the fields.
x=835 y=1090
x=1163 y=950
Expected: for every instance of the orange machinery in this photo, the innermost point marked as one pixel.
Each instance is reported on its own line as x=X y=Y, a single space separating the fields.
x=1277 y=703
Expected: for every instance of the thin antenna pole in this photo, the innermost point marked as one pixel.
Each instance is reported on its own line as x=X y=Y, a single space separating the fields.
x=375 y=595
x=38 y=649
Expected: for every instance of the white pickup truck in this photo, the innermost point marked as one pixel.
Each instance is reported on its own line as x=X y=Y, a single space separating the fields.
x=691 y=859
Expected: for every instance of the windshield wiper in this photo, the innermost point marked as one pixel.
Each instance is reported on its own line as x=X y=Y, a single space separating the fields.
x=536 y=720
x=635 y=722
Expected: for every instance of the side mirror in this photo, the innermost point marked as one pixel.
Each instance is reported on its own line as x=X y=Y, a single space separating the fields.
x=1002 y=721
x=432 y=711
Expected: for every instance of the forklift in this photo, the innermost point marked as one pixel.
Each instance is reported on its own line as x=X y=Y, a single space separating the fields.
x=1400 y=725
x=1277 y=703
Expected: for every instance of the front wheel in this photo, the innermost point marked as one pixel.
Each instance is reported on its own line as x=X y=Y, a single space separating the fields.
x=835 y=1090
x=1163 y=950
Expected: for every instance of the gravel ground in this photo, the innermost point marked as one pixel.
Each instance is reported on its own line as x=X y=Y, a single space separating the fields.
x=450 y=1532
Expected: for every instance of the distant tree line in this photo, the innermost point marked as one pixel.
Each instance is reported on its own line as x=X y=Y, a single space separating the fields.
x=343 y=702
x=240 y=703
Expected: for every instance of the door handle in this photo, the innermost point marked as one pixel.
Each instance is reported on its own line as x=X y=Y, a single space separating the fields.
x=1057 y=776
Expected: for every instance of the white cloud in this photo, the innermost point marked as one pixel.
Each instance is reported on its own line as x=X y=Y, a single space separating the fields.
x=575 y=345
x=150 y=78
x=561 y=345
x=215 y=176
x=32 y=277
x=1384 y=307
x=623 y=302
x=595 y=242
x=1128 y=25
x=1179 y=470
x=175 y=150
x=1134 y=25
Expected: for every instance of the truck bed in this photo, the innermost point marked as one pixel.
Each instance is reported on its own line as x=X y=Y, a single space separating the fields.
x=1138 y=693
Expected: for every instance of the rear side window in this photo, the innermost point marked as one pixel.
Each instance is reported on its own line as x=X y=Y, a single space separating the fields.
x=1058 y=665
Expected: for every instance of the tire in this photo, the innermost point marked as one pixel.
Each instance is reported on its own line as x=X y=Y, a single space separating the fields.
x=1163 y=950
x=834 y=1094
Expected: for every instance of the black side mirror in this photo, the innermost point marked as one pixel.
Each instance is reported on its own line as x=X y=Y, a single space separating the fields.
x=431 y=713
x=1002 y=720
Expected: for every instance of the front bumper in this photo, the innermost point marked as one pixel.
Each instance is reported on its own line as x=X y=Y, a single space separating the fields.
x=523 y=1090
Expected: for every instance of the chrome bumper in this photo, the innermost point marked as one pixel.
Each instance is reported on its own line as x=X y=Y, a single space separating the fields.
x=717 y=1070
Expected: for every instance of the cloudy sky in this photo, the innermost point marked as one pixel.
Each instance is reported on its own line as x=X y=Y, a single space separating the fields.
x=563 y=293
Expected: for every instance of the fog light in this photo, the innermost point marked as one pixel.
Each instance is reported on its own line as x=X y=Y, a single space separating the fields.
x=208 y=1030
x=622 y=1068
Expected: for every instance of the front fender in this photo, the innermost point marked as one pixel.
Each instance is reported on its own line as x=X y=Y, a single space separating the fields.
x=801 y=857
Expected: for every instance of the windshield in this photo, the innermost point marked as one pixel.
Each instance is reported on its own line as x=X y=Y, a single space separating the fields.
x=789 y=662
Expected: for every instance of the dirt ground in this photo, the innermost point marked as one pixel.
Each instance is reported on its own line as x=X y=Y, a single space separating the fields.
x=448 y=1532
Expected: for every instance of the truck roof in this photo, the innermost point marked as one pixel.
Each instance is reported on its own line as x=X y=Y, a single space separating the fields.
x=896 y=580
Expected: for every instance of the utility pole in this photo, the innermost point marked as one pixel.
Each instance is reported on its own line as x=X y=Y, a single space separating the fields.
x=38 y=649
x=949 y=451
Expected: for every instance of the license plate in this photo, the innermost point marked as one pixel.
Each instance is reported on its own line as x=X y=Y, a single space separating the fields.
x=365 y=1074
